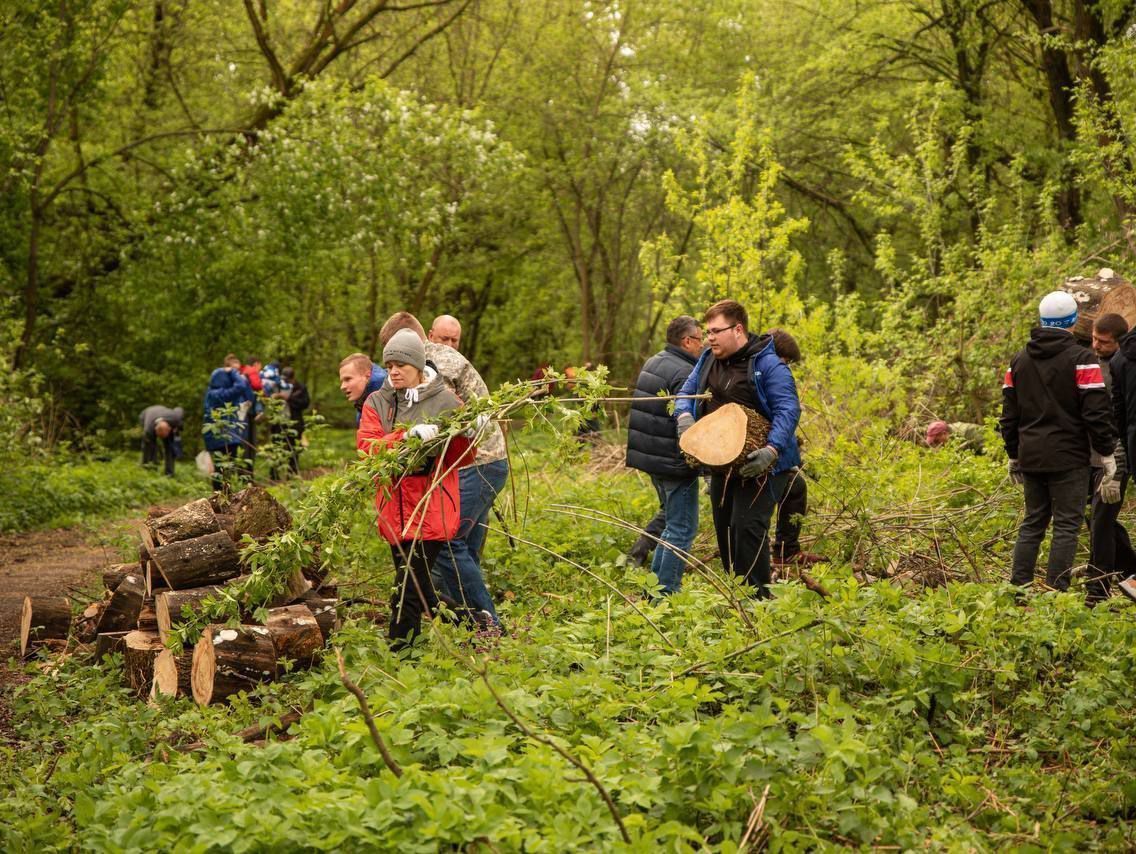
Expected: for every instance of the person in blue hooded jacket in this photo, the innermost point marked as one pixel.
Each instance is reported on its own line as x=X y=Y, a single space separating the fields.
x=743 y=368
x=359 y=378
x=226 y=387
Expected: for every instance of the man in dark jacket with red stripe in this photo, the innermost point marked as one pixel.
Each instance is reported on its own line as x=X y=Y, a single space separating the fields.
x=1055 y=411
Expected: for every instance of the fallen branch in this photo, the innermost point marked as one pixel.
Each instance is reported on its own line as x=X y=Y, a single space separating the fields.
x=365 y=707
x=748 y=647
x=255 y=732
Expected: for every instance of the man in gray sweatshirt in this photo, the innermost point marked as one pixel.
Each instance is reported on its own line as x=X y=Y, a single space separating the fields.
x=161 y=425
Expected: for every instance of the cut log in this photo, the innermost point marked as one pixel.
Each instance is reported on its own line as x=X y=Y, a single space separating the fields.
x=293 y=591
x=87 y=626
x=295 y=634
x=109 y=642
x=258 y=514
x=154 y=580
x=114 y=574
x=198 y=562
x=170 y=605
x=172 y=674
x=722 y=439
x=1104 y=293
x=323 y=609
x=227 y=660
x=147 y=617
x=44 y=618
x=195 y=519
x=125 y=604
x=228 y=523
x=140 y=650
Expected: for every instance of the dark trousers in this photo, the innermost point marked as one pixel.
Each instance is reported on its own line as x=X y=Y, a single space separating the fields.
x=225 y=456
x=414 y=594
x=742 y=509
x=794 y=504
x=1111 y=550
x=150 y=446
x=1059 y=496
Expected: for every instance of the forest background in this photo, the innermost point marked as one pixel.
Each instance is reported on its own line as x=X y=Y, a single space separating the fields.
x=895 y=182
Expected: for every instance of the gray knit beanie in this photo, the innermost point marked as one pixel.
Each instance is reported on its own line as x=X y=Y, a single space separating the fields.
x=406 y=348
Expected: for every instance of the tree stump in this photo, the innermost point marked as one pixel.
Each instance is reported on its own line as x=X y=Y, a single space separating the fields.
x=258 y=514
x=109 y=642
x=323 y=609
x=140 y=650
x=44 y=618
x=169 y=606
x=114 y=574
x=295 y=634
x=721 y=440
x=198 y=562
x=87 y=626
x=125 y=604
x=227 y=660
x=195 y=519
x=173 y=674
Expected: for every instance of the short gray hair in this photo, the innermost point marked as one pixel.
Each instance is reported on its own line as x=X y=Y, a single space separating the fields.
x=679 y=328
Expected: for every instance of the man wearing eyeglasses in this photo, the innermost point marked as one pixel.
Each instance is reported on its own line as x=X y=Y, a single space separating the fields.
x=652 y=447
x=743 y=368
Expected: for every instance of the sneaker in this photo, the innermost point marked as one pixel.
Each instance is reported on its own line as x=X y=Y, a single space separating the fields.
x=1128 y=587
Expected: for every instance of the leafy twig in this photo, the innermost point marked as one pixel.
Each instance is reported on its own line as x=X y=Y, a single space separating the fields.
x=365 y=707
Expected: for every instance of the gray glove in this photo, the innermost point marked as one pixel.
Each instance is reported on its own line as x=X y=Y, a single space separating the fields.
x=1109 y=490
x=685 y=422
x=759 y=462
x=1016 y=475
x=1108 y=464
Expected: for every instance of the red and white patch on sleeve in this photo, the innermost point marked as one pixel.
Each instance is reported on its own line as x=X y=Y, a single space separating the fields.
x=1008 y=382
x=1089 y=376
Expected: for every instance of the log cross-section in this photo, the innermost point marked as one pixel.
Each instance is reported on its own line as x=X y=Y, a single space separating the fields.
x=172 y=674
x=722 y=439
x=198 y=562
x=43 y=618
x=139 y=652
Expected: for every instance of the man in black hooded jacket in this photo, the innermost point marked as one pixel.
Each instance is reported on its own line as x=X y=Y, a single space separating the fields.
x=1054 y=411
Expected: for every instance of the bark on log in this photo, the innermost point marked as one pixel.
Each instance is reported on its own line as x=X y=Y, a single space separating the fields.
x=195 y=519
x=173 y=674
x=44 y=618
x=227 y=660
x=122 y=611
x=147 y=617
x=113 y=574
x=109 y=642
x=228 y=523
x=323 y=609
x=140 y=650
x=722 y=439
x=87 y=626
x=154 y=580
x=295 y=634
x=169 y=606
x=258 y=514
x=198 y=562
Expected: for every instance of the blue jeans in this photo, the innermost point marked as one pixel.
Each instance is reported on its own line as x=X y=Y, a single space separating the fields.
x=679 y=501
x=457 y=571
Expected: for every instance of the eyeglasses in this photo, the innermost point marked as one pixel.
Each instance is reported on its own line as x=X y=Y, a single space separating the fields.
x=697 y=338
x=711 y=331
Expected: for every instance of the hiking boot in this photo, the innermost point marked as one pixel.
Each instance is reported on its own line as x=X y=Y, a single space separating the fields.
x=1128 y=587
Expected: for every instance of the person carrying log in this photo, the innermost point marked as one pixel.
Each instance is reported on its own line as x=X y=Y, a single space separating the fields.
x=1055 y=412
x=161 y=425
x=457 y=571
x=744 y=369
x=418 y=511
x=652 y=447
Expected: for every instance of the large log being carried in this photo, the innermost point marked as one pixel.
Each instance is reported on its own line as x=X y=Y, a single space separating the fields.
x=140 y=650
x=228 y=660
x=722 y=440
x=44 y=618
x=199 y=562
x=125 y=604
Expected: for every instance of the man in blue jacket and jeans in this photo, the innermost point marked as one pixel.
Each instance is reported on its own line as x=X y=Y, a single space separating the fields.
x=743 y=368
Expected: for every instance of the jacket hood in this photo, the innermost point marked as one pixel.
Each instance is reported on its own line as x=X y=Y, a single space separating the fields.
x=221 y=378
x=754 y=345
x=1128 y=346
x=1047 y=342
x=681 y=353
x=432 y=385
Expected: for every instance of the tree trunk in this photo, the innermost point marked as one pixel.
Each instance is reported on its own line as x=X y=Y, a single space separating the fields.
x=323 y=610
x=141 y=648
x=108 y=642
x=113 y=574
x=723 y=438
x=195 y=519
x=173 y=674
x=169 y=605
x=198 y=562
x=44 y=618
x=227 y=660
x=121 y=614
x=295 y=634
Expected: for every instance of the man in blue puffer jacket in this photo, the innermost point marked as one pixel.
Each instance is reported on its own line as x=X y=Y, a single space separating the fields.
x=226 y=386
x=743 y=368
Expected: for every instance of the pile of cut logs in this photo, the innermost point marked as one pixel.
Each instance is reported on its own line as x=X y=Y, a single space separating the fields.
x=186 y=557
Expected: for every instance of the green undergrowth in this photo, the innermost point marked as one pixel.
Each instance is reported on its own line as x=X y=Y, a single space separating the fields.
x=953 y=718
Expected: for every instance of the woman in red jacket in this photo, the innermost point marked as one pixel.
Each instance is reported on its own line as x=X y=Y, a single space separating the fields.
x=419 y=510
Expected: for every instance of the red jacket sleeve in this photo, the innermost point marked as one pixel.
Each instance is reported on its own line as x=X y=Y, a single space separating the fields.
x=370 y=432
x=460 y=452
x=253 y=376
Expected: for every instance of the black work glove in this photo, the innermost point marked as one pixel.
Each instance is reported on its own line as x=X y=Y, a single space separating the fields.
x=759 y=462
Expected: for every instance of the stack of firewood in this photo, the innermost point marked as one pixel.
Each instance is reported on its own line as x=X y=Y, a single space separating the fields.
x=186 y=557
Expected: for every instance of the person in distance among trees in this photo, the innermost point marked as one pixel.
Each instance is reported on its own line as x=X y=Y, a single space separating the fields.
x=744 y=368
x=161 y=425
x=225 y=432
x=652 y=447
x=1055 y=412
